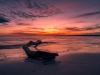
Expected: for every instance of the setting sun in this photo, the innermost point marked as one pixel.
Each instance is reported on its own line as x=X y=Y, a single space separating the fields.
x=50 y=30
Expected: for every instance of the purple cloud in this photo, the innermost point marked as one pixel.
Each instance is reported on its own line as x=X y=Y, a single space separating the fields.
x=88 y=14
x=97 y=26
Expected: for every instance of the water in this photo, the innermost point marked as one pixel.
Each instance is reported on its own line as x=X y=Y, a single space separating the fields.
x=63 y=45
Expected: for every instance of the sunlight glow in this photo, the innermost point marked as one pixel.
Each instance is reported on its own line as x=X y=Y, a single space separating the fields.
x=51 y=30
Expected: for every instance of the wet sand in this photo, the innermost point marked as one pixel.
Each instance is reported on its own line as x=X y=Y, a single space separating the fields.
x=68 y=64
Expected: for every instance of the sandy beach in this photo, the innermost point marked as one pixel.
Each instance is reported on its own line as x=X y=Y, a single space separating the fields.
x=68 y=64
x=77 y=56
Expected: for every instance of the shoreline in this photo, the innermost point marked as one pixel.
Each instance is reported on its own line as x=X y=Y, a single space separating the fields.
x=71 y=64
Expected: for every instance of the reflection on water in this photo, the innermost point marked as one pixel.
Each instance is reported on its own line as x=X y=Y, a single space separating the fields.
x=65 y=44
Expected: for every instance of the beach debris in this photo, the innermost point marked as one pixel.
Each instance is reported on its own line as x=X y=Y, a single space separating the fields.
x=38 y=55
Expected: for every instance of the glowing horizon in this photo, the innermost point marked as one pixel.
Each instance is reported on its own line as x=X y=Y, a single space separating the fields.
x=49 y=17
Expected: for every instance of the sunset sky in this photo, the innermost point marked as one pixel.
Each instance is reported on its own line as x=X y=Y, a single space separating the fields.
x=50 y=17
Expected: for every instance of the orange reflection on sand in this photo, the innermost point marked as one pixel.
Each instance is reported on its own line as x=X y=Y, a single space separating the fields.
x=53 y=48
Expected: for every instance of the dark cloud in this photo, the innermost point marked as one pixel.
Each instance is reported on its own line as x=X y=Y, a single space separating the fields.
x=36 y=4
x=3 y=20
x=93 y=27
x=81 y=22
x=26 y=14
x=97 y=26
x=27 y=9
x=88 y=14
x=74 y=29
x=22 y=24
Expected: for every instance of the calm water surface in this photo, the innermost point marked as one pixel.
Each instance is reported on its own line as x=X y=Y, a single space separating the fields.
x=63 y=45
